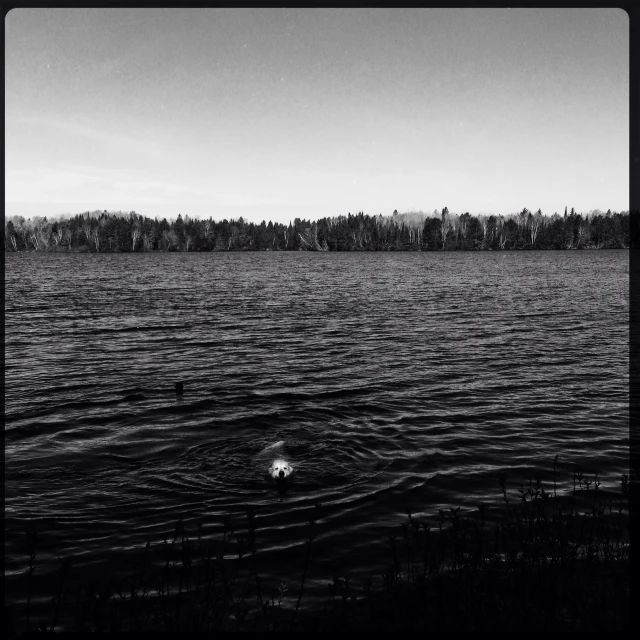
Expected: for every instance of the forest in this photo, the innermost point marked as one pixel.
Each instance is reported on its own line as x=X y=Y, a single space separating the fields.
x=104 y=231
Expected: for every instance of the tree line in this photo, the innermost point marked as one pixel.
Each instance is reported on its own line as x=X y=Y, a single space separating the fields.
x=103 y=231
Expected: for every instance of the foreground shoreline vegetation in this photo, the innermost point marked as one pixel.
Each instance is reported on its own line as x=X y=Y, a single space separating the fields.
x=108 y=232
x=541 y=562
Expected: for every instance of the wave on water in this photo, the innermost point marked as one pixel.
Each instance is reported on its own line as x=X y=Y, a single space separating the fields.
x=409 y=382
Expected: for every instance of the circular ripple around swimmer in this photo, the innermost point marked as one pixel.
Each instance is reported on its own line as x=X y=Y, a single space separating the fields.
x=239 y=466
x=223 y=464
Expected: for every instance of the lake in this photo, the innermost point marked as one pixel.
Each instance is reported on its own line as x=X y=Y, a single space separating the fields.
x=397 y=381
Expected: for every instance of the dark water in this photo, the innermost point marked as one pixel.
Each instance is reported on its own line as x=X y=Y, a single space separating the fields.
x=397 y=381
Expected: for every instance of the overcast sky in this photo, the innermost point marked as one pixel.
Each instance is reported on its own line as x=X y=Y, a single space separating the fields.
x=273 y=114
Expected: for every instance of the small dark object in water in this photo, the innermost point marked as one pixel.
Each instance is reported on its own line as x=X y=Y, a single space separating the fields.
x=134 y=396
x=179 y=388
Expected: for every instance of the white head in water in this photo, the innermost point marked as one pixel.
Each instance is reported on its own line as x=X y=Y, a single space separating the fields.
x=280 y=469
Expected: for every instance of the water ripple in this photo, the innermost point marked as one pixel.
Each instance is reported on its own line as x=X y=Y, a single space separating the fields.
x=395 y=381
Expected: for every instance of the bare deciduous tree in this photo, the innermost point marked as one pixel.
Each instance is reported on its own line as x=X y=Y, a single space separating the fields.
x=58 y=235
x=135 y=235
x=484 y=223
x=445 y=225
x=170 y=238
x=502 y=233
x=535 y=221
x=96 y=238
x=584 y=232
x=33 y=236
x=68 y=236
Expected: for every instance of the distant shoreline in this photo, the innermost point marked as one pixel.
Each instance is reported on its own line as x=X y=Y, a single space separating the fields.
x=85 y=250
x=104 y=232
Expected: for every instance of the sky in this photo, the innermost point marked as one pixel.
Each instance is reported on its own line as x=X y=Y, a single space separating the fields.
x=276 y=114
